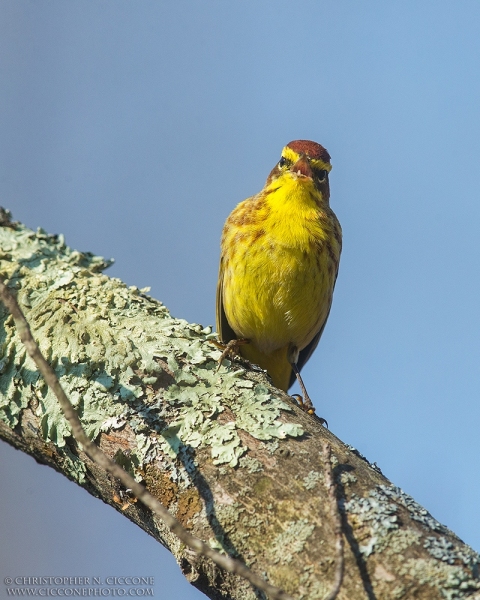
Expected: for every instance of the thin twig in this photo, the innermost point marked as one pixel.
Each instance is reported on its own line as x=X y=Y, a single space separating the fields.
x=94 y=452
x=337 y=521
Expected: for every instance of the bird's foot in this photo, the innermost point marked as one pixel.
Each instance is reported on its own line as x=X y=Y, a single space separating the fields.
x=306 y=404
x=230 y=349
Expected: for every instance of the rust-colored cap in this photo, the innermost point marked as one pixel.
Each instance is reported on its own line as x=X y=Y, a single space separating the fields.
x=311 y=149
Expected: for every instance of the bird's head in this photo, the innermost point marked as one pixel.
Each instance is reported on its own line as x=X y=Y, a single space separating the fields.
x=304 y=160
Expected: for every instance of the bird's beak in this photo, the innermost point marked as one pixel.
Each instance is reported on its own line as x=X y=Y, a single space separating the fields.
x=302 y=167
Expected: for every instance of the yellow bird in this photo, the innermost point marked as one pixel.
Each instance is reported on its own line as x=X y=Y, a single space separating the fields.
x=280 y=252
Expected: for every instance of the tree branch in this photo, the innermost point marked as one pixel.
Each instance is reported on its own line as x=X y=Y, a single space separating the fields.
x=234 y=459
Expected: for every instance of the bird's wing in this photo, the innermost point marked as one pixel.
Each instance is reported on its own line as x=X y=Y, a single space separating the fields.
x=309 y=349
x=225 y=332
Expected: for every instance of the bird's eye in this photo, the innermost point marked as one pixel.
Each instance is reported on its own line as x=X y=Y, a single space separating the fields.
x=321 y=175
x=282 y=162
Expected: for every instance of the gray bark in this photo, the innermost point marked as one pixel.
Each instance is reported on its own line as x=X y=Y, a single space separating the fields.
x=234 y=459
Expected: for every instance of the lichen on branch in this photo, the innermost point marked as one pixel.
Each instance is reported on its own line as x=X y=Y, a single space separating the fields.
x=234 y=459
x=114 y=347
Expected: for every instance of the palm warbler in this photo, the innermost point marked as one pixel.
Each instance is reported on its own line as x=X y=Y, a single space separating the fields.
x=280 y=253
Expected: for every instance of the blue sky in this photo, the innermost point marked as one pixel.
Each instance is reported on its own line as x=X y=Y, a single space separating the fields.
x=135 y=128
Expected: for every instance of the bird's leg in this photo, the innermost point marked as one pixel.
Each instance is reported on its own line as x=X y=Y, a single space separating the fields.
x=230 y=349
x=304 y=400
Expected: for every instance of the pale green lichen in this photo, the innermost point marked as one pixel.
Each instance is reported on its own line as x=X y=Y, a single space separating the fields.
x=109 y=344
x=72 y=465
x=312 y=590
x=311 y=480
x=454 y=583
x=254 y=521
x=397 y=541
x=251 y=464
x=379 y=515
x=453 y=568
x=347 y=478
x=224 y=520
x=291 y=541
x=417 y=512
x=196 y=403
x=272 y=447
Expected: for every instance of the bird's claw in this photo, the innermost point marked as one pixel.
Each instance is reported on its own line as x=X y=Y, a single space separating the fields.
x=230 y=349
x=307 y=406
